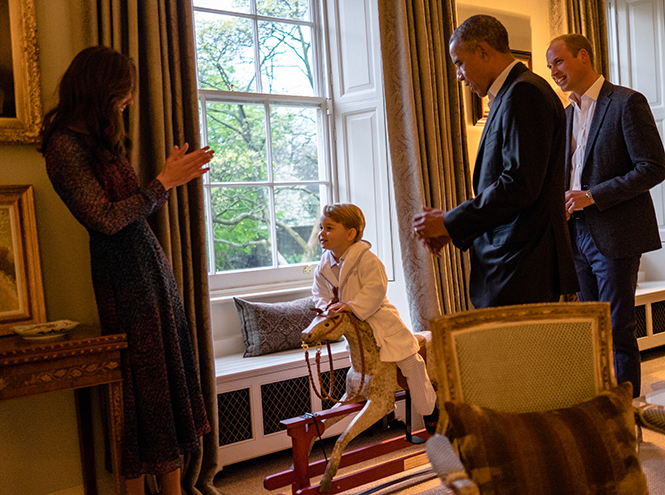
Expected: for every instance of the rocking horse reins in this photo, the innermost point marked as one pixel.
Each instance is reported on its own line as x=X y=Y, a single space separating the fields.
x=327 y=395
x=335 y=299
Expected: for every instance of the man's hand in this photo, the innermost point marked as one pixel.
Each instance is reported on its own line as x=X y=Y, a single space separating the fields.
x=429 y=224
x=436 y=244
x=576 y=200
x=430 y=228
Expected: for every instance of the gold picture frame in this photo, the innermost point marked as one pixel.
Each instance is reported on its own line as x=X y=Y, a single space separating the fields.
x=20 y=93
x=480 y=107
x=21 y=290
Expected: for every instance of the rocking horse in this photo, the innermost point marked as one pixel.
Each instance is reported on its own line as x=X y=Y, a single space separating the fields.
x=371 y=385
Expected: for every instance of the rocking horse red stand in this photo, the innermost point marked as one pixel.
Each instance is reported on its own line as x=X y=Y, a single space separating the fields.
x=373 y=396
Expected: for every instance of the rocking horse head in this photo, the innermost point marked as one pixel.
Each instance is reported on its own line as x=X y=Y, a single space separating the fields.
x=325 y=327
x=361 y=344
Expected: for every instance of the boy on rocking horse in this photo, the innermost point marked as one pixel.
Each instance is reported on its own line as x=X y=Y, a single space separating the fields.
x=352 y=278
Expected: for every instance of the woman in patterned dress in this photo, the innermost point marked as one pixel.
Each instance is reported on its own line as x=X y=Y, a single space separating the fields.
x=86 y=148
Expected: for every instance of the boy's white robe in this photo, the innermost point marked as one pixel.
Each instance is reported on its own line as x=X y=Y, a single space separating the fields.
x=364 y=290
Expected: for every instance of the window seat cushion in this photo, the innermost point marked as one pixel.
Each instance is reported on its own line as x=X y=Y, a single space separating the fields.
x=273 y=327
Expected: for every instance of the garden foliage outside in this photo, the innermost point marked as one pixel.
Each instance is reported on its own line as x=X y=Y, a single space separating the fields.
x=263 y=114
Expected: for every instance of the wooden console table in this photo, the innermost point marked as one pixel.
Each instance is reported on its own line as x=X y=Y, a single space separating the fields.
x=80 y=359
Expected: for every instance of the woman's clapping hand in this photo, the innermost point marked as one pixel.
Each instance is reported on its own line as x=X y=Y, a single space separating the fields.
x=181 y=167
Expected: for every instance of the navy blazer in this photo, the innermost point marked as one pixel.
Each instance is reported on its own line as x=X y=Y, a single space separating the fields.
x=516 y=223
x=624 y=158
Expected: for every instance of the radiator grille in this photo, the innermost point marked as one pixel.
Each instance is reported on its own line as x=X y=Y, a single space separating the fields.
x=339 y=386
x=283 y=400
x=235 y=416
x=641 y=320
x=658 y=316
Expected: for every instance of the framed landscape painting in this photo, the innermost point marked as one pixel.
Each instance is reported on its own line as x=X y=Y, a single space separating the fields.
x=21 y=291
x=20 y=94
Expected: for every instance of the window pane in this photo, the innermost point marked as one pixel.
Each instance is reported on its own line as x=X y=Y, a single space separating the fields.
x=286 y=59
x=225 y=54
x=297 y=210
x=228 y=5
x=240 y=221
x=269 y=176
x=237 y=134
x=288 y=9
x=295 y=143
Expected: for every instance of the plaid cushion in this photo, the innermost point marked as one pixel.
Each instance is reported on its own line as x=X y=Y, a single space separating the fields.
x=589 y=448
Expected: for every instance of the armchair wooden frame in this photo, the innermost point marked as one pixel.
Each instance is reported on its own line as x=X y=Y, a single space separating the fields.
x=539 y=357
x=452 y=336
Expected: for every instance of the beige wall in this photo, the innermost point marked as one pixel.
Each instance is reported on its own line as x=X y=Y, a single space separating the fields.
x=39 y=451
x=516 y=14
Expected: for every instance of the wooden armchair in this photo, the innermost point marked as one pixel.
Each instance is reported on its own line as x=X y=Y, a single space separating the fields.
x=530 y=405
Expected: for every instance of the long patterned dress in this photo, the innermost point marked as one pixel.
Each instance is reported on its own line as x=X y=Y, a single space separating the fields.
x=136 y=294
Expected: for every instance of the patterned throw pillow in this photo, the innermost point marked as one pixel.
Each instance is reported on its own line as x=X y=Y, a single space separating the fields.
x=589 y=448
x=272 y=327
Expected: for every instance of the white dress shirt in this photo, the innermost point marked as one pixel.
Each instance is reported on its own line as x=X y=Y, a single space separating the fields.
x=498 y=82
x=582 y=117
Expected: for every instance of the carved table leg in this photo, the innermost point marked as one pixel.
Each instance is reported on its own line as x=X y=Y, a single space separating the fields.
x=86 y=440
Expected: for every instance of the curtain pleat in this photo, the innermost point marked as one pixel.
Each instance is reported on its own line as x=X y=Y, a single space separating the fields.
x=159 y=36
x=587 y=17
x=427 y=139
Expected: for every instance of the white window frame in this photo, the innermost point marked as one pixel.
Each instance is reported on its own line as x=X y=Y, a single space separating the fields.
x=277 y=278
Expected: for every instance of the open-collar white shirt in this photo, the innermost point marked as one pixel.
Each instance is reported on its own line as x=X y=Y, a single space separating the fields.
x=583 y=111
x=336 y=264
x=498 y=82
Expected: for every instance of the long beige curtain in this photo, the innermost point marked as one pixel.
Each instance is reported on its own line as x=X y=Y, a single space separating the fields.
x=426 y=131
x=159 y=36
x=585 y=17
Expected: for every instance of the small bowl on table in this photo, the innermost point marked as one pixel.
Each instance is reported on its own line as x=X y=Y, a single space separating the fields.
x=49 y=330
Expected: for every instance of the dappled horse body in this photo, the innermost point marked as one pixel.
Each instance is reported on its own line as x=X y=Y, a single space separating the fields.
x=369 y=379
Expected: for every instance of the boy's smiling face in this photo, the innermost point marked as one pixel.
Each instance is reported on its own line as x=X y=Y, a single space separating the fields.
x=335 y=237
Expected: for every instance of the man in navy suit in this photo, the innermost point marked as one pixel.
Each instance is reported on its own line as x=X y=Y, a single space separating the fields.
x=614 y=155
x=516 y=223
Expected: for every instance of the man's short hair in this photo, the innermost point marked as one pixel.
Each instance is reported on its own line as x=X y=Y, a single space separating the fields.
x=576 y=42
x=479 y=28
x=348 y=215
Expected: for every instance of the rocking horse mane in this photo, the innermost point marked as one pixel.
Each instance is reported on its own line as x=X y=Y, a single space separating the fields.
x=366 y=332
x=348 y=325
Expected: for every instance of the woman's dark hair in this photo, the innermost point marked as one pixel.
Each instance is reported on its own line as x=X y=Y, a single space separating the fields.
x=91 y=89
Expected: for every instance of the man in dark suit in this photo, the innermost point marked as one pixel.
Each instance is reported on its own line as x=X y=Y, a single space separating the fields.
x=516 y=222
x=614 y=155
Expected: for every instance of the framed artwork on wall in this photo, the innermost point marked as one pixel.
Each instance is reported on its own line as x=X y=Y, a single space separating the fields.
x=20 y=94
x=480 y=107
x=21 y=290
